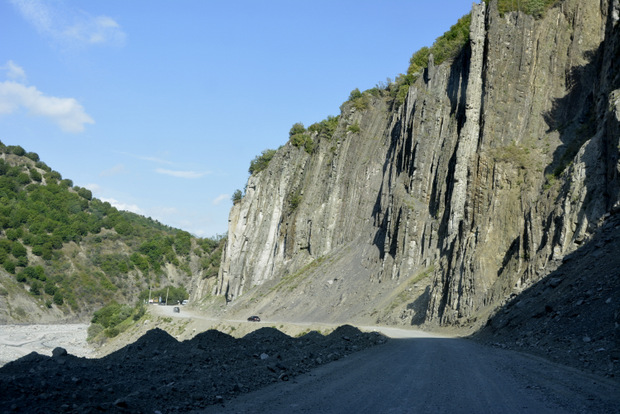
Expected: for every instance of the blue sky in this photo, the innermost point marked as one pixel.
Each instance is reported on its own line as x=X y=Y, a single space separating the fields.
x=159 y=106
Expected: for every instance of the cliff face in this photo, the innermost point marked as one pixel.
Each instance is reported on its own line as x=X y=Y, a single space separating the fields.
x=498 y=164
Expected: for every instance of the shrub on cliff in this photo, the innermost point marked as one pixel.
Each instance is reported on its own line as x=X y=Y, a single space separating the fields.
x=536 y=8
x=260 y=162
x=359 y=99
x=354 y=128
x=299 y=137
x=446 y=47
x=297 y=128
x=325 y=128
x=237 y=196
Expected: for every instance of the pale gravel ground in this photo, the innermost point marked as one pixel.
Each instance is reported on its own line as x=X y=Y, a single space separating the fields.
x=19 y=340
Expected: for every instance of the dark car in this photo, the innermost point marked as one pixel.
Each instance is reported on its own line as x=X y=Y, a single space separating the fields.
x=254 y=319
x=176 y=309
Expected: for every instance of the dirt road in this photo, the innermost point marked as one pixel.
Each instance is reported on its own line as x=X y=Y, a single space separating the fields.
x=413 y=372
x=438 y=375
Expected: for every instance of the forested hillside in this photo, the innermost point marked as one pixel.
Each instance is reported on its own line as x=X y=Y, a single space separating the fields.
x=64 y=253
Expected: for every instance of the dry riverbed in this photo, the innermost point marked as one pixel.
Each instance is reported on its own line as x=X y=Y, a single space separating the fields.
x=19 y=340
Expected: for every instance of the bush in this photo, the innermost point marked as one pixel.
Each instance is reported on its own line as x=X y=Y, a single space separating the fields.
x=139 y=312
x=111 y=332
x=49 y=288
x=33 y=273
x=445 y=47
x=35 y=288
x=297 y=128
x=295 y=200
x=182 y=243
x=33 y=156
x=140 y=262
x=299 y=137
x=85 y=193
x=261 y=162
x=22 y=261
x=237 y=196
x=94 y=329
x=354 y=128
x=298 y=140
x=43 y=166
x=111 y=315
x=66 y=183
x=325 y=128
x=58 y=298
x=360 y=100
x=16 y=149
x=23 y=178
x=536 y=8
x=355 y=94
x=53 y=176
x=448 y=45
x=9 y=266
x=36 y=176
x=309 y=145
x=303 y=140
x=37 y=250
x=6 y=245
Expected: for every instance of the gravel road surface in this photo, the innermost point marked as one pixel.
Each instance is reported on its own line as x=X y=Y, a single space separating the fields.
x=432 y=374
x=413 y=372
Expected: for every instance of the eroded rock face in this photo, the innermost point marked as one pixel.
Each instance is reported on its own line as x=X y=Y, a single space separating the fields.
x=498 y=164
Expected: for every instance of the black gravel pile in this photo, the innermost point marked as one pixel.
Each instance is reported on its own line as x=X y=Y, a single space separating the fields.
x=158 y=374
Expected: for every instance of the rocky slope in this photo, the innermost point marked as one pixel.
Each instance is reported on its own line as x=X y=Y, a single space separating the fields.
x=499 y=164
x=571 y=316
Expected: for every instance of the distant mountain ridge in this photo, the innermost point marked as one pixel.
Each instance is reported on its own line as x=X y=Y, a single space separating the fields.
x=64 y=253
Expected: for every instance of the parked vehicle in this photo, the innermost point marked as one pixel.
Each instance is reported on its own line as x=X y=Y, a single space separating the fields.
x=254 y=319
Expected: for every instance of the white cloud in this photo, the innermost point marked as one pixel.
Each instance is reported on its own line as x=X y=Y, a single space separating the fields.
x=123 y=206
x=182 y=174
x=70 y=27
x=154 y=159
x=93 y=187
x=117 y=169
x=220 y=198
x=66 y=112
x=94 y=31
x=164 y=214
x=14 y=71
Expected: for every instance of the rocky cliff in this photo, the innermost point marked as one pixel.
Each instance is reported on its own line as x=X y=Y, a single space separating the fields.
x=498 y=164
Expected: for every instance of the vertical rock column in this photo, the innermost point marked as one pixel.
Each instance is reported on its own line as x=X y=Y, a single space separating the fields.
x=468 y=139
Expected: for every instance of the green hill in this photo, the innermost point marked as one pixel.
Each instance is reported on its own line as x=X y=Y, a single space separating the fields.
x=64 y=254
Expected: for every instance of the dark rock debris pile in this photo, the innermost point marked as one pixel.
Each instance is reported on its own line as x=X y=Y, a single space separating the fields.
x=158 y=374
